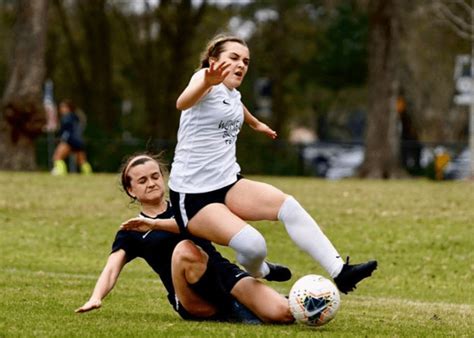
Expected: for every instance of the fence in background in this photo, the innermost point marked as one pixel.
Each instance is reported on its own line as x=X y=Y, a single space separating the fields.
x=332 y=160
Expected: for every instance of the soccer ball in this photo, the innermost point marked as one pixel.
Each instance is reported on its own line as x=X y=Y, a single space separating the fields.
x=314 y=300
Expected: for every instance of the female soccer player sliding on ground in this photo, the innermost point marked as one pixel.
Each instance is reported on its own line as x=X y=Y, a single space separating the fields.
x=201 y=284
x=210 y=198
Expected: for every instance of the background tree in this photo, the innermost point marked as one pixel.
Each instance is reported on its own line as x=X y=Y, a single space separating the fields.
x=428 y=54
x=125 y=62
x=283 y=41
x=161 y=47
x=22 y=115
x=338 y=71
x=458 y=15
x=85 y=29
x=382 y=140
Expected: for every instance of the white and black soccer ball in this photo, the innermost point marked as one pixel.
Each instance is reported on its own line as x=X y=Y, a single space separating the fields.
x=314 y=300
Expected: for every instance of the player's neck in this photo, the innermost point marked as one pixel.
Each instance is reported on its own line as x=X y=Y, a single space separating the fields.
x=154 y=209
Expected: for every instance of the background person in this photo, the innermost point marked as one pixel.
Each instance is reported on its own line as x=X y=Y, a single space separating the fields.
x=71 y=140
x=201 y=284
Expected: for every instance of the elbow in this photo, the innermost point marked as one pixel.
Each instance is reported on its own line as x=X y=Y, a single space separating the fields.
x=181 y=104
x=181 y=107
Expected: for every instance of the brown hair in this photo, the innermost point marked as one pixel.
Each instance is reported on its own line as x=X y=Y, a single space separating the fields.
x=70 y=104
x=215 y=47
x=135 y=160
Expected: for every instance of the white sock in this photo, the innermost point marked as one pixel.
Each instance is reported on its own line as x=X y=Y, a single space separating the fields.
x=251 y=251
x=307 y=235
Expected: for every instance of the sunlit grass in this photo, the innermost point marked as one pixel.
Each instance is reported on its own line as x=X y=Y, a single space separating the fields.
x=56 y=233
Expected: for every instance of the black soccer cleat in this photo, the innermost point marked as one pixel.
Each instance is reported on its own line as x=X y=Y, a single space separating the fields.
x=350 y=275
x=278 y=273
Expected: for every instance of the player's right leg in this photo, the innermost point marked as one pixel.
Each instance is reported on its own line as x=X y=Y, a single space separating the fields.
x=60 y=153
x=188 y=265
x=216 y=223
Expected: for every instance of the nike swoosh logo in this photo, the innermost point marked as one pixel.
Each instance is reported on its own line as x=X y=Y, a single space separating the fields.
x=239 y=274
x=146 y=234
x=317 y=311
x=225 y=102
x=320 y=305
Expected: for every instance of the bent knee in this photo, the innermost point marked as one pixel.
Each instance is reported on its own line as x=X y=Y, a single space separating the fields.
x=187 y=251
x=249 y=243
x=256 y=247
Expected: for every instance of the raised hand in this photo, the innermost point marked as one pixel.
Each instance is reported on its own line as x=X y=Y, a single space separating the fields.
x=216 y=73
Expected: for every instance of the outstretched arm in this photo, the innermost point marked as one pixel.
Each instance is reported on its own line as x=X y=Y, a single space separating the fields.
x=106 y=281
x=257 y=125
x=201 y=83
x=146 y=224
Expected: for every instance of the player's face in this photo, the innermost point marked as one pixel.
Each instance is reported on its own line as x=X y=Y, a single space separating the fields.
x=147 y=183
x=63 y=108
x=237 y=55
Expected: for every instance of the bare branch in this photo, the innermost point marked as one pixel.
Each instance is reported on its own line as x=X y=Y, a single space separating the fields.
x=459 y=26
x=454 y=18
x=458 y=31
x=464 y=5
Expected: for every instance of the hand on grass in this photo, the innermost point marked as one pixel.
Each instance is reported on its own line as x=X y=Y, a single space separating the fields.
x=90 y=305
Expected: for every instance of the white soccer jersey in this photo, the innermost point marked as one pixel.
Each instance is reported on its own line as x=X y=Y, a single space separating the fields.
x=205 y=156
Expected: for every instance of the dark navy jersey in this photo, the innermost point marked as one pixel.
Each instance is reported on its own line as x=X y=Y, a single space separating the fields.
x=71 y=130
x=156 y=248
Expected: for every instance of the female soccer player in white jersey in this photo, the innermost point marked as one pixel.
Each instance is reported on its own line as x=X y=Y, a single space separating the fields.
x=210 y=198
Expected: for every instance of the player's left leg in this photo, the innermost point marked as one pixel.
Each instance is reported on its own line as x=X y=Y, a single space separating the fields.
x=262 y=300
x=81 y=159
x=258 y=201
x=252 y=200
x=188 y=265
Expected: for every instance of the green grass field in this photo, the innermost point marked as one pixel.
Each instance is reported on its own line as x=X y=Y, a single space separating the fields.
x=56 y=233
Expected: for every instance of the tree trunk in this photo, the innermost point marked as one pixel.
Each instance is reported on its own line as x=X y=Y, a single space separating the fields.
x=97 y=52
x=74 y=54
x=178 y=35
x=382 y=155
x=22 y=115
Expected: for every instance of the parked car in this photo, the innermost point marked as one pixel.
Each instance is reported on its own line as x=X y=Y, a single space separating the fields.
x=459 y=167
x=333 y=160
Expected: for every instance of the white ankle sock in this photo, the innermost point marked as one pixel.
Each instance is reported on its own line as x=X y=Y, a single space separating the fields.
x=251 y=251
x=307 y=235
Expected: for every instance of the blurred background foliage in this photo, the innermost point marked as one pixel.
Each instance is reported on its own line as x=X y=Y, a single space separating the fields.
x=125 y=63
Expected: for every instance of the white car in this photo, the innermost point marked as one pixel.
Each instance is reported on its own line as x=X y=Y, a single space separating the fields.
x=333 y=160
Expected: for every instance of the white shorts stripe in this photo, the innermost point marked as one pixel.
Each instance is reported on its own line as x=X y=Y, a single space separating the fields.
x=182 y=209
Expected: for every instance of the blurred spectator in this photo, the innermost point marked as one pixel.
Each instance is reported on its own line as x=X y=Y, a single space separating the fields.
x=71 y=141
x=410 y=144
x=442 y=159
